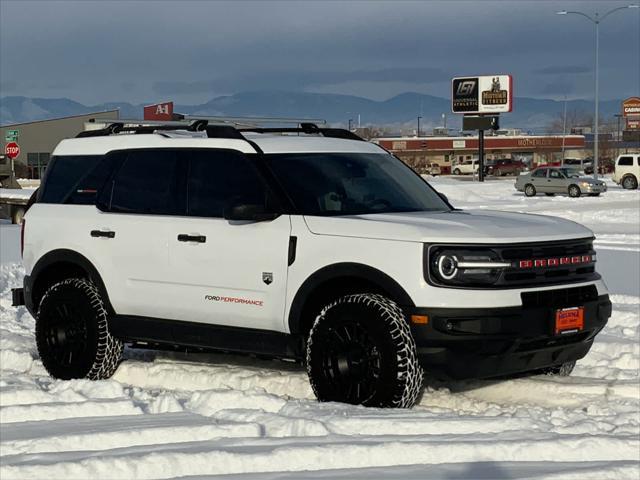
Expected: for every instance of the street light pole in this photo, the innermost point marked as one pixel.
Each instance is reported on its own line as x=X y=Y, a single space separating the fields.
x=350 y=120
x=596 y=19
x=419 y=126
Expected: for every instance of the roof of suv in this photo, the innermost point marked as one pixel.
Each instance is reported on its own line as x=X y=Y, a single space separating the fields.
x=267 y=142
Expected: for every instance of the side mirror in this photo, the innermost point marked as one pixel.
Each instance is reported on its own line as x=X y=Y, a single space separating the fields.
x=443 y=197
x=249 y=213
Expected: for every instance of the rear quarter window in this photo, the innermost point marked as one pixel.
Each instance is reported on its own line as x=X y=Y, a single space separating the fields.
x=71 y=179
x=625 y=161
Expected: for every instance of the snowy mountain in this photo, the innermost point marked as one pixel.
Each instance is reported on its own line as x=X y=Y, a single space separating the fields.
x=529 y=113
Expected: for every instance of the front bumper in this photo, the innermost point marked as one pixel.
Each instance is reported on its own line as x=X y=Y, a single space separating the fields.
x=463 y=343
x=590 y=188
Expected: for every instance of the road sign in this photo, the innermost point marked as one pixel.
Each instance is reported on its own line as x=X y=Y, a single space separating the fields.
x=12 y=150
x=10 y=138
x=13 y=133
x=483 y=94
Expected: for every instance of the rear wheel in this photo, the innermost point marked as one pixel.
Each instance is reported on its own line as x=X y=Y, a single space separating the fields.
x=456 y=171
x=574 y=191
x=629 y=182
x=360 y=351
x=529 y=190
x=72 y=332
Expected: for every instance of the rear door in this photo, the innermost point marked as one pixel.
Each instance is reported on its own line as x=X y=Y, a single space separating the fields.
x=539 y=179
x=136 y=208
x=227 y=272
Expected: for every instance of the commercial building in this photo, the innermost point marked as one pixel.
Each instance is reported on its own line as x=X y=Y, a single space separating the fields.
x=37 y=140
x=419 y=152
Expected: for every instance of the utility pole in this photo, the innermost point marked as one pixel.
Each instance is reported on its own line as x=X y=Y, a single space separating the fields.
x=596 y=20
x=564 y=130
x=350 y=120
x=419 y=117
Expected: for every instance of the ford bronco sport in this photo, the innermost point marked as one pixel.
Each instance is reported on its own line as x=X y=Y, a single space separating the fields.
x=302 y=243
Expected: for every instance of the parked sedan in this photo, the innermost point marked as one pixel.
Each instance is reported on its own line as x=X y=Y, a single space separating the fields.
x=558 y=180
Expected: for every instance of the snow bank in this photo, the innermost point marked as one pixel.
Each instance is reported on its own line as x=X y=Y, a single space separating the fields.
x=168 y=415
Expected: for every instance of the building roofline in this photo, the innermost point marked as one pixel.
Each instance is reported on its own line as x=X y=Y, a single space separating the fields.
x=475 y=137
x=115 y=110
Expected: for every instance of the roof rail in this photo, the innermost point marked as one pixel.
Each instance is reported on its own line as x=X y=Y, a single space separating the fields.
x=219 y=130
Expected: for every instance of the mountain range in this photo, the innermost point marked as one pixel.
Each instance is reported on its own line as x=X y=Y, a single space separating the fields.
x=401 y=110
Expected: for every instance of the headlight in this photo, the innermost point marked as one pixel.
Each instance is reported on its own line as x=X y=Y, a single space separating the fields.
x=585 y=184
x=465 y=267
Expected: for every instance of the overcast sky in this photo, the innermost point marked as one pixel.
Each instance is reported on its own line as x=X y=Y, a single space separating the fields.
x=192 y=51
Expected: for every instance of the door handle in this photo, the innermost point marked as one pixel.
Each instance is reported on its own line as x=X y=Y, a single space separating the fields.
x=184 y=237
x=103 y=234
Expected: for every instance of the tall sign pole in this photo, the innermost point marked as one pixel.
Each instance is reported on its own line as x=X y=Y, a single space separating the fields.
x=481 y=100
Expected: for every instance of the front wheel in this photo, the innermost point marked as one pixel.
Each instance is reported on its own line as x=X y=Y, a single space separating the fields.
x=574 y=191
x=360 y=351
x=72 y=332
x=457 y=171
x=530 y=190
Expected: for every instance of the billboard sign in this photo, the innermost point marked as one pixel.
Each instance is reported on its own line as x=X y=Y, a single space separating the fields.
x=631 y=107
x=159 y=111
x=482 y=94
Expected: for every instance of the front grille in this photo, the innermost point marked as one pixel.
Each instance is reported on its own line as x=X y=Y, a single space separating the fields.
x=544 y=274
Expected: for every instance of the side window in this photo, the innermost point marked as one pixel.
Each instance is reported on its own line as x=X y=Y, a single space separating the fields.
x=555 y=174
x=149 y=182
x=625 y=161
x=218 y=178
x=540 y=173
x=64 y=176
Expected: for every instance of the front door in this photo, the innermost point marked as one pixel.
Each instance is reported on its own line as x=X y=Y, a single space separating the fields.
x=226 y=272
x=557 y=181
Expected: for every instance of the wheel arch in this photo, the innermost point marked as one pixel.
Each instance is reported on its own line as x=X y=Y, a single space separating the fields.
x=58 y=265
x=336 y=280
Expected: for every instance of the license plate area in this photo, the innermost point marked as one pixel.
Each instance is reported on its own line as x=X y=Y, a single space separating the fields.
x=569 y=320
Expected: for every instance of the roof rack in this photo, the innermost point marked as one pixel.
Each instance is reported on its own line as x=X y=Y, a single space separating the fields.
x=222 y=129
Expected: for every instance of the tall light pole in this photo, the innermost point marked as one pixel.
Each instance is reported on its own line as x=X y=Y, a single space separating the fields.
x=419 y=126
x=596 y=20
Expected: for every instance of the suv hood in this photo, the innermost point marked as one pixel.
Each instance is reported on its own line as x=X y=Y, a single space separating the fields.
x=457 y=226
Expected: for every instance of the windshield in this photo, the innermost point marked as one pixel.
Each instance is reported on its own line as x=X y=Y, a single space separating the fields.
x=332 y=184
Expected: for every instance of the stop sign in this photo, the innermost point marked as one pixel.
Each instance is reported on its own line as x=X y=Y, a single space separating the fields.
x=12 y=150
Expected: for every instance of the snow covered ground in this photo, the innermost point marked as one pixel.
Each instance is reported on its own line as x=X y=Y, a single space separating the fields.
x=167 y=415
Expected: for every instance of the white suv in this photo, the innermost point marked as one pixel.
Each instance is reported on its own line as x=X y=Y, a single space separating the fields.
x=627 y=170
x=316 y=246
x=466 y=167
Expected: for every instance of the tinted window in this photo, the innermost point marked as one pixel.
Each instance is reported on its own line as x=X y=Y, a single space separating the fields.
x=148 y=182
x=218 y=179
x=541 y=172
x=352 y=184
x=64 y=176
x=625 y=161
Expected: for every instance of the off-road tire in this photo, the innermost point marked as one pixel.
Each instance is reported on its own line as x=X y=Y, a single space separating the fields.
x=562 y=370
x=530 y=190
x=72 y=332
x=629 y=182
x=574 y=191
x=456 y=171
x=360 y=351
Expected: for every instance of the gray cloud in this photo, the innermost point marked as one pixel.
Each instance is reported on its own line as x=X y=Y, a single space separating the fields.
x=193 y=50
x=563 y=69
